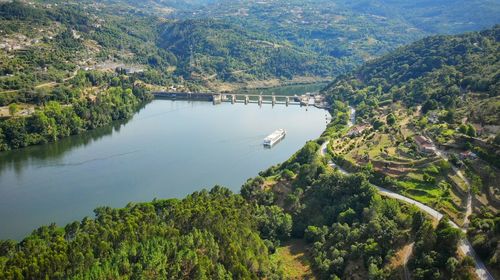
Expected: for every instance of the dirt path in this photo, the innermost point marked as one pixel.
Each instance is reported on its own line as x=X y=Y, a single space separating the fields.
x=442 y=154
x=9 y=91
x=407 y=251
x=352 y=117
x=293 y=257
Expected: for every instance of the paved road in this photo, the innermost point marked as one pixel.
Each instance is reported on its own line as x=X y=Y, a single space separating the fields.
x=465 y=247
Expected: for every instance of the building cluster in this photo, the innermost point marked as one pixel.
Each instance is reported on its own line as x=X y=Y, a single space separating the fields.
x=468 y=155
x=17 y=42
x=357 y=130
x=424 y=145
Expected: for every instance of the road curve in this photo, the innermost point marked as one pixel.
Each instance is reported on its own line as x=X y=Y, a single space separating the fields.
x=465 y=246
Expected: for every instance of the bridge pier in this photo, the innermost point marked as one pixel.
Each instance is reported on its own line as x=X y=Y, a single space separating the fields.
x=304 y=100
x=216 y=99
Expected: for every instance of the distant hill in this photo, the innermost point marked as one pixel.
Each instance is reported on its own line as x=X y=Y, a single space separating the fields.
x=45 y=41
x=443 y=17
x=353 y=31
x=234 y=54
x=436 y=72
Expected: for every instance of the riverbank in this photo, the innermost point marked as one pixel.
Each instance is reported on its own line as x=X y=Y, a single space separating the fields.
x=56 y=120
x=165 y=150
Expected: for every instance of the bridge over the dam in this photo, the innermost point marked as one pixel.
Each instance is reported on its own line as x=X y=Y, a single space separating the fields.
x=216 y=98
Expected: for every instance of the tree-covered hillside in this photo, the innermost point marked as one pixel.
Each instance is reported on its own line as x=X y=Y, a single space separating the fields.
x=353 y=31
x=208 y=235
x=46 y=42
x=227 y=41
x=234 y=54
x=352 y=232
x=442 y=17
x=436 y=72
x=429 y=115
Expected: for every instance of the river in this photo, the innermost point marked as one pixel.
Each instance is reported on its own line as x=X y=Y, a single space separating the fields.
x=167 y=150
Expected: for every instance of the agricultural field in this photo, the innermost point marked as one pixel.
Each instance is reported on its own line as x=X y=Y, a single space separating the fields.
x=391 y=152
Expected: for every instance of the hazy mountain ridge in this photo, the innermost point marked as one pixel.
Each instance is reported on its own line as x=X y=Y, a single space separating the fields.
x=309 y=38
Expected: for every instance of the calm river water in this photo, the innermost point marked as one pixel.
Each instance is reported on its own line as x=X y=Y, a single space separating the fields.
x=168 y=149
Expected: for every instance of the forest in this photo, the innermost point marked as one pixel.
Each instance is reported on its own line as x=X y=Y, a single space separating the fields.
x=64 y=112
x=233 y=54
x=208 y=235
x=436 y=72
x=220 y=235
x=348 y=227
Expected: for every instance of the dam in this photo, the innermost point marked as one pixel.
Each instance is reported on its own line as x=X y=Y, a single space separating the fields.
x=307 y=99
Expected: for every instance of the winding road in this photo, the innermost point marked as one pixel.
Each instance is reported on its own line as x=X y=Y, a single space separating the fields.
x=465 y=246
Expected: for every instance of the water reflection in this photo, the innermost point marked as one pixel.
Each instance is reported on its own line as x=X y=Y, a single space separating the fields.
x=51 y=152
x=169 y=149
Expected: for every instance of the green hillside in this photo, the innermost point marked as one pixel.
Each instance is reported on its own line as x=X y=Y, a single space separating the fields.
x=208 y=235
x=445 y=88
x=219 y=41
x=208 y=47
x=436 y=72
x=353 y=31
x=46 y=43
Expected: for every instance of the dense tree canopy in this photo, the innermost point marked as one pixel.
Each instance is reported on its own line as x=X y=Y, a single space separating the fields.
x=208 y=235
x=64 y=112
x=433 y=72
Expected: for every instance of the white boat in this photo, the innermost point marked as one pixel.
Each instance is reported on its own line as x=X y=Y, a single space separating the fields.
x=274 y=137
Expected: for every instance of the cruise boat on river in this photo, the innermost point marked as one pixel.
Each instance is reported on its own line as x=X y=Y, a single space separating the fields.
x=274 y=137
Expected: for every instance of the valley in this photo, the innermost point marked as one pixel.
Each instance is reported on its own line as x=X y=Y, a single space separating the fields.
x=395 y=177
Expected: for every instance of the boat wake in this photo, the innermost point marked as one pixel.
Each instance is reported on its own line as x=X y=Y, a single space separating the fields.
x=87 y=161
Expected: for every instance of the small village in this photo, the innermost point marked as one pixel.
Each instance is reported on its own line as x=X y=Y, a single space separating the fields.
x=415 y=164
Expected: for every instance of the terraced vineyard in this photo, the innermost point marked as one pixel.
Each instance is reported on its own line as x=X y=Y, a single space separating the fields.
x=392 y=153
